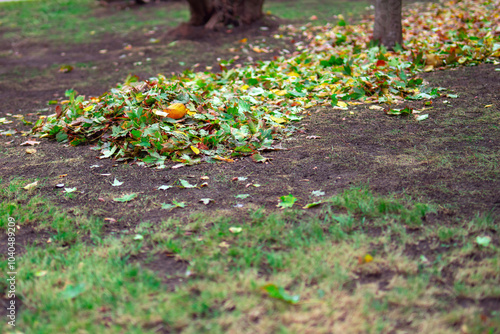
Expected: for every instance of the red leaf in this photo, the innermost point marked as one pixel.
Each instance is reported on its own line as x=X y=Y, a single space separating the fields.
x=202 y=146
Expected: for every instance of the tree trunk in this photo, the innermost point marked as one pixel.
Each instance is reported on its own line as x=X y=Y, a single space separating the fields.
x=214 y=14
x=388 y=30
x=201 y=11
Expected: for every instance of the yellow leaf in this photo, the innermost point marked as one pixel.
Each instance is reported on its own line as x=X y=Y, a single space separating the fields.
x=30 y=150
x=195 y=149
x=89 y=108
x=223 y=159
x=368 y=258
x=31 y=185
x=176 y=110
x=342 y=104
x=428 y=68
x=488 y=106
x=245 y=87
x=278 y=120
x=433 y=60
x=293 y=74
x=280 y=92
x=235 y=230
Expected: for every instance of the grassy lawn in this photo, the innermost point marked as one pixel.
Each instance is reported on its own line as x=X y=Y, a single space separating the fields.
x=353 y=266
x=383 y=225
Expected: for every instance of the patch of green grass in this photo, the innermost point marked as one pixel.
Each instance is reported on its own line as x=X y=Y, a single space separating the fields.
x=76 y=21
x=79 y=21
x=33 y=211
x=323 y=10
x=326 y=258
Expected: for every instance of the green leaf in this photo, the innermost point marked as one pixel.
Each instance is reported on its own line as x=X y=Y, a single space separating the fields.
x=125 y=198
x=397 y=112
x=179 y=204
x=259 y=158
x=206 y=201
x=72 y=291
x=334 y=99
x=287 y=201
x=70 y=190
x=62 y=137
x=186 y=184
x=242 y=196
x=278 y=292
x=166 y=206
x=422 y=117
x=164 y=187
x=138 y=237
x=483 y=240
x=318 y=193
x=116 y=183
x=310 y=205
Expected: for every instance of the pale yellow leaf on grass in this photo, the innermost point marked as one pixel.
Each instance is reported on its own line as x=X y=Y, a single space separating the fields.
x=235 y=230
x=31 y=186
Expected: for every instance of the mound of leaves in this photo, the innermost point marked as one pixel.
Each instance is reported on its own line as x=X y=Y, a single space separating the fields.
x=129 y=122
x=246 y=110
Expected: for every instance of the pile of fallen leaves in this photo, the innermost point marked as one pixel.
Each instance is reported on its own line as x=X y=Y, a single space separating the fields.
x=246 y=110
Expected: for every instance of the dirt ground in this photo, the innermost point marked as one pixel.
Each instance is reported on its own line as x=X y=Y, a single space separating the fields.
x=450 y=159
x=360 y=146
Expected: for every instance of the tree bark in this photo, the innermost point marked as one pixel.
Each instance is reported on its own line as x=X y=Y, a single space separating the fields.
x=201 y=11
x=217 y=13
x=388 y=29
